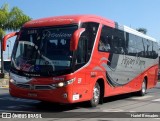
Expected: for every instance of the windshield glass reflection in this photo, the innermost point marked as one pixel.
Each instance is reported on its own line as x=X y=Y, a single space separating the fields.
x=43 y=50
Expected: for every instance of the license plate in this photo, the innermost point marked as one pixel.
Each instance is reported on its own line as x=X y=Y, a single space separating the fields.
x=32 y=94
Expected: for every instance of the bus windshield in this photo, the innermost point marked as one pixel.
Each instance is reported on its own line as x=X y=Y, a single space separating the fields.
x=43 y=50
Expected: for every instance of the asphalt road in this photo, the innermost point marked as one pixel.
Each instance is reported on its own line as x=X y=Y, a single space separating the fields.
x=129 y=103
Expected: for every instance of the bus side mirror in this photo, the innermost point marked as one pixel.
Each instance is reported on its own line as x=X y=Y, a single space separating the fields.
x=6 y=37
x=75 y=38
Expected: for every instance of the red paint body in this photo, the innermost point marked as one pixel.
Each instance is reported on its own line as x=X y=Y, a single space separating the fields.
x=85 y=88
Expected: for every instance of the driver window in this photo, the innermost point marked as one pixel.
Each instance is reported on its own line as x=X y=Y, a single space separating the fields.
x=86 y=43
x=81 y=50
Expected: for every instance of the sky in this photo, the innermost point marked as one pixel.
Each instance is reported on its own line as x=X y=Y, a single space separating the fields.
x=132 y=13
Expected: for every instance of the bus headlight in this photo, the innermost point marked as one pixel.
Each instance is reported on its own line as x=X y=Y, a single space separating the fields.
x=62 y=84
x=12 y=81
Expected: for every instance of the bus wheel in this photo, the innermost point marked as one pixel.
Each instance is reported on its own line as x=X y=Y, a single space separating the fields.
x=96 y=96
x=142 y=92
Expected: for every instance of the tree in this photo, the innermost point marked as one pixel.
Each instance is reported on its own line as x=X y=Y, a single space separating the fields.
x=142 y=30
x=10 y=20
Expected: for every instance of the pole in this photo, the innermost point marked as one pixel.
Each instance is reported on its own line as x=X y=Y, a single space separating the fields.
x=2 y=63
x=9 y=48
x=8 y=51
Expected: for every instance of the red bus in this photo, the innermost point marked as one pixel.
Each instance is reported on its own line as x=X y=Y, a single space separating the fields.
x=69 y=59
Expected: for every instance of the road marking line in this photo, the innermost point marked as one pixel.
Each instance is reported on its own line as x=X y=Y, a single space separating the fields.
x=11 y=111
x=144 y=97
x=19 y=106
x=113 y=110
x=157 y=118
x=19 y=99
x=13 y=107
x=25 y=106
x=157 y=100
x=131 y=111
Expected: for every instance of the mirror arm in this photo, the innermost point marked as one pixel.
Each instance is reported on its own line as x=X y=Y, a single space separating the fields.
x=75 y=38
x=6 y=38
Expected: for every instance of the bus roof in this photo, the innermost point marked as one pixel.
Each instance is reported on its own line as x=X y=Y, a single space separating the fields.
x=59 y=20
x=71 y=19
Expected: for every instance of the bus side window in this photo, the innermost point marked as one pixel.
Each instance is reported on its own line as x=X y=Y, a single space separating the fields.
x=132 y=48
x=105 y=41
x=104 y=46
x=155 y=50
x=139 y=46
x=119 y=41
x=150 y=54
x=145 y=47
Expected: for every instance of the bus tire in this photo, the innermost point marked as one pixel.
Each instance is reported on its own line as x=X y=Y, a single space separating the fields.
x=142 y=92
x=96 y=95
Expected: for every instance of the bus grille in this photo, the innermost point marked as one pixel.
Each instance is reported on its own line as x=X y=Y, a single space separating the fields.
x=26 y=86
x=43 y=87
x=36 y=87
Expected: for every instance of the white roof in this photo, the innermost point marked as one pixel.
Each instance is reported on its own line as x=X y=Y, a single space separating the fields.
x=135 y=32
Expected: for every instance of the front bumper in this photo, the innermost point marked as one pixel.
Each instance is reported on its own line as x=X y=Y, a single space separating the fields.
x=60 y=95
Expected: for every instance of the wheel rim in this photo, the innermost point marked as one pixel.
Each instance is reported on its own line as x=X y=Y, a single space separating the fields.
x=96 y=94
x=143 y=87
